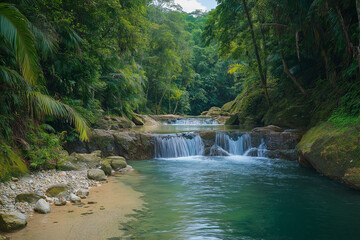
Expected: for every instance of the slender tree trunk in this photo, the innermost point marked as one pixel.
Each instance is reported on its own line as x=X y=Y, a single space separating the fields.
x=297 y=44
x=286 y=69
x=358 y=47
x=169 y=101
x=176 y=106
x=262 y=77
x=161 y=99
x=350 y=46
x=265 y=51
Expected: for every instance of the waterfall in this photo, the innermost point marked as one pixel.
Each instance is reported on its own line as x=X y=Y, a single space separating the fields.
x=261 y=150
x=191 y=121
x=178 y=145
x=236 y=145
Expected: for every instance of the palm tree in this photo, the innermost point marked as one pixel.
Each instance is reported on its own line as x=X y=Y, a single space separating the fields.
x=15 y=30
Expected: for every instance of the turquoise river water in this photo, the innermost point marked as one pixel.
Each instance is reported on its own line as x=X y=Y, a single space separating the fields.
x=240 y=197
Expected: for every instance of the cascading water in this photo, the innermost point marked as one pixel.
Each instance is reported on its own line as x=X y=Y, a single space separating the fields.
x=191 y=121
x=178 y=145
x=236 y=145
x=261 y=150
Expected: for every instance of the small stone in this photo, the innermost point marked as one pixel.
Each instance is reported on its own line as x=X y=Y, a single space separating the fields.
x=62 y=174
x=60 y=202
x=74 y=198
x=14 y=179
x=42 y=206
x=12 y=221
x=92 y=202
x=82 y=193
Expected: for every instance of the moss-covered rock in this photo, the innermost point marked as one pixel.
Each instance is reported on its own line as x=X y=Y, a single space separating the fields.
x=12 y=221
x=106 y=167
x=10 y=163
x=30 y=197
x=333 y=151
x=96 y=174
x=114 y=123
x=138 y=119
x=81 y=161
x=118 y=164
x=57 y=190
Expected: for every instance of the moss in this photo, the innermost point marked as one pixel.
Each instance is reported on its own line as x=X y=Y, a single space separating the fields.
x=332 y=150
x=56 y=190
x=10 y=163
x=227 y=106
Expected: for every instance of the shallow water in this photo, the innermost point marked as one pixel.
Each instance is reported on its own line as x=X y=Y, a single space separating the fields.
x=240 y=197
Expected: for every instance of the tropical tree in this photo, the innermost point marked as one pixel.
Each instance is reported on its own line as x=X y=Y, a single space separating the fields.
x=21 y=75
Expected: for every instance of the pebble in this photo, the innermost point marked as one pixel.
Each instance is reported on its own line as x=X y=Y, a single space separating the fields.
x=39 y=182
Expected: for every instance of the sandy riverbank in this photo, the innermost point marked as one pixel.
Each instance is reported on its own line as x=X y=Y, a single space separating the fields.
x=114 y=200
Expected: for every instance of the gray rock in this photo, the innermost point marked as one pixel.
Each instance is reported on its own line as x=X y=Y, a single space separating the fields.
x=42 y=206
x=96 y=174
x=82 y=193
x=218 y=151
x=12 y=221
x=60 y=201
x=74 y=198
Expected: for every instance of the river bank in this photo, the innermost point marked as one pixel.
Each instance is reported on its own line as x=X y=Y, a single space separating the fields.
x=109 y=200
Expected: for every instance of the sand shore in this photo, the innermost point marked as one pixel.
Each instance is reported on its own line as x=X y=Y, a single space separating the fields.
x=114 y=200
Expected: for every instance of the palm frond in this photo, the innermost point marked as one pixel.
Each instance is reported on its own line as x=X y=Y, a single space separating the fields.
x=14 y=27
x=11 y=77
x=43 y=105
x=45 y=35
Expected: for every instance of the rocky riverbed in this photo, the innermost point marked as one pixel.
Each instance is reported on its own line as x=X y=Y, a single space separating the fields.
x=42 y=191
x=13 y=196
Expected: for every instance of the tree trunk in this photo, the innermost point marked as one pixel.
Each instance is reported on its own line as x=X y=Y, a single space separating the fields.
x=350 y=46
x=358 y=48
x=262 y=77
x=286 y=69
x=161 y=99
x=176 y=106
x=265 y=51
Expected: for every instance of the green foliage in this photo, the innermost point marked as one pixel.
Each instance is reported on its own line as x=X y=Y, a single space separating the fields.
x=10 y=163
x=308 y=51
x=45 y=148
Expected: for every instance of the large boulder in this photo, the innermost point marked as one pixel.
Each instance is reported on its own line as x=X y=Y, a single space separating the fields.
x=114 y=123
x=102 y=140
x=96 y=174
x=117 y=162
x=275 y=138
x=12 y=221
x=82 y=161
x=106 y=167
x=42 y=206
x=30 y=197
x=333 y=151
x=59 y=190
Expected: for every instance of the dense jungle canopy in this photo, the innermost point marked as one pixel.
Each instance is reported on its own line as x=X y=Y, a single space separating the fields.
x=66 y=63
